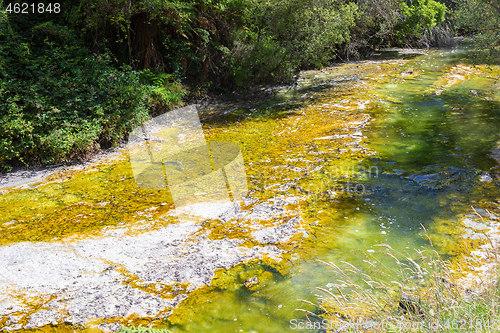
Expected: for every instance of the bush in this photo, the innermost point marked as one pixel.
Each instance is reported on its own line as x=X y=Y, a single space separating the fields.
x=418 y=16
x=165 y=92
x=280 y=37
x=189 y=39
x=487 y=33
x=58 y=100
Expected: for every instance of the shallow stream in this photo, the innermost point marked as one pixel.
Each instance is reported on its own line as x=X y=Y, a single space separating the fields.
x=366 y=153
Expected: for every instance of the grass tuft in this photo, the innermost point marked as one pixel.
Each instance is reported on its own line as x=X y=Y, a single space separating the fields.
x=396 y=292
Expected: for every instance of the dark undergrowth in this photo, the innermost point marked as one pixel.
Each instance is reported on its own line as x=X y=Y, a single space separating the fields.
x=80 y=80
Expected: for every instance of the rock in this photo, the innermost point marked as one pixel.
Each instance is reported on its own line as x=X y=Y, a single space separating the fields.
x=88 y=279
x=10 y=222
x=475 y=225
x=409 y=305
x=439 y=178
x=251 y=282
x=495 y=153
x=485 y=177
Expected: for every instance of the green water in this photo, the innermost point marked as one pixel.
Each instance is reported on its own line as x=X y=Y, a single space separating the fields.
x=428 y=125
x=430 y=151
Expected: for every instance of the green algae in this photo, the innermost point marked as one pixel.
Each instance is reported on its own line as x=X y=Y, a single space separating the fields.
x=227 y=287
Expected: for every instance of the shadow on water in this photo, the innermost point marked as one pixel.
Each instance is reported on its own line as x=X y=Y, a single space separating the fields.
x=396 y=53
x=278 y=102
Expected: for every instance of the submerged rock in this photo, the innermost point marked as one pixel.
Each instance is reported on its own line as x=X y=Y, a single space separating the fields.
x=251 y=283
x=440 y=178
x=485 y=177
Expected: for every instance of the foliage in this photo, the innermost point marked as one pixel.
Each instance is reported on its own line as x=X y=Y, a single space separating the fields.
x=165 y=93
x=59 y=101
x=387 y=23
x=418 y=16
x=487 y=33
x=374 y=27
x=279 y=37
x=236 y=42
x=184 y=38
x=83 y=78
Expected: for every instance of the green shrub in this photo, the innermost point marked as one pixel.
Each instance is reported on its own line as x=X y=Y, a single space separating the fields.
x=418 y=16
x=280 y=37
x=58 y=101
x=165 y=92
x=487 y=33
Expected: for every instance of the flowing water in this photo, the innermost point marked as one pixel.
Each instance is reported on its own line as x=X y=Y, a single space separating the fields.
x=434 y=123
x=375 y=150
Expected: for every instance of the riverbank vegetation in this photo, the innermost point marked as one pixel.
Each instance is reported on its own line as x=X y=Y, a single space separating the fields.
x=79 y=80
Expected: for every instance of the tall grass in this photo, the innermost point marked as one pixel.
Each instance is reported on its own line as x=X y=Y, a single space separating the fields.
x=394 y=292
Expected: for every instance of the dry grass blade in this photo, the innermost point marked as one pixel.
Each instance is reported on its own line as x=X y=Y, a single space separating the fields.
x=365 y=275
x=306 y=301
x=369 y=263
x=332 y=265
x=369 y=282
x=306 y=311
x=385 y=245
x=436 y=283
x=341 y=294
x=399 y=284
x=322 y=308
x=416 y=265
x=325 y=300
x=351 y=265
x=426 y=235
x=477 y=213
x=393 y=257
x=351 y=271
x=327 y=291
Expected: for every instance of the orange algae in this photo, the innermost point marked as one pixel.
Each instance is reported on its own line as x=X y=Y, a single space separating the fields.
x=83 y=203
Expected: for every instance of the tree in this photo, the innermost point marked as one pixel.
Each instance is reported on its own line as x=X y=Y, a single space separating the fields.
x=418 y=16
x=280 y=37
x=481 y=18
